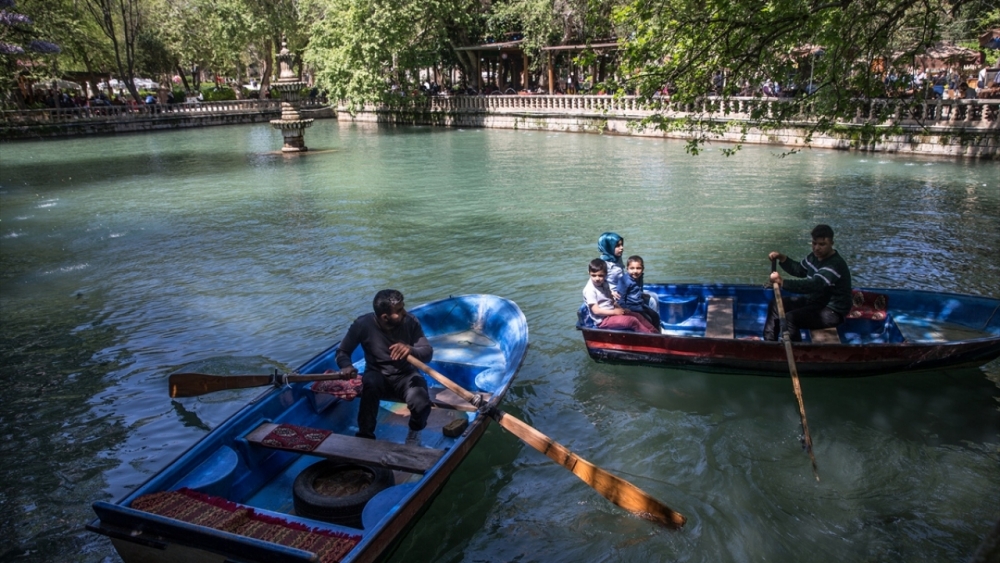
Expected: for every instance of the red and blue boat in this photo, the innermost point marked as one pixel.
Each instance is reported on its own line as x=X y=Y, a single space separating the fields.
x=718 y=328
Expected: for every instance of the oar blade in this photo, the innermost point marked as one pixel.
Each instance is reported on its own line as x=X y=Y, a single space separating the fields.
x=610 y=486
x=195 y=384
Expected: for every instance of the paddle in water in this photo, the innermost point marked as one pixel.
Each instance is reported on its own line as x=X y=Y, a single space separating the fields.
x=611 y=487
x=787 y=339
x=194 y=384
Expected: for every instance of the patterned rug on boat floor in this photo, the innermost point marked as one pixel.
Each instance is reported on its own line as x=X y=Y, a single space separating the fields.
x=220 y=514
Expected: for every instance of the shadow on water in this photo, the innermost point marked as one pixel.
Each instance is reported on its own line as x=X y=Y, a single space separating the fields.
x=932 y=408
x=99 y=169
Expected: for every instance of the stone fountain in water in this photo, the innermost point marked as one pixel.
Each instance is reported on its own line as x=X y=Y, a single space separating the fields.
x=289 y=87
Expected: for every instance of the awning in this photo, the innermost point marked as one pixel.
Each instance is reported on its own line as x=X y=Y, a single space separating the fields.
x=944 y=55
x=990 y=39
x=500 y=46
x=581 y=47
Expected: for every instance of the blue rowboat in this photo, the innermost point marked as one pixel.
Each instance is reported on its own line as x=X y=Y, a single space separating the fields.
x=718 y=328
x=286 y=480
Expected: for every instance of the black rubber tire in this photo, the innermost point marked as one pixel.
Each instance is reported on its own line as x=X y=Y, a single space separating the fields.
x=346 y=509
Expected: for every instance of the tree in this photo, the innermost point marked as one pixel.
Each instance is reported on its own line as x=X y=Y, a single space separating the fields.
x=364 y=50
x=121 y=22
x=18 y=40
x=682 y=43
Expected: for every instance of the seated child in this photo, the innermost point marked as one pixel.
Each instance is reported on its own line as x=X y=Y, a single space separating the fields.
x=633 y=298
x=606 y=314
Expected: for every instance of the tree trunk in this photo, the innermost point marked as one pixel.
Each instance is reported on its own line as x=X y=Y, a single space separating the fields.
x=265 y=79
x=183 y=76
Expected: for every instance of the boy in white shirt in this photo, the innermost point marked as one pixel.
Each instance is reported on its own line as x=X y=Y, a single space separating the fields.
x=602 y=307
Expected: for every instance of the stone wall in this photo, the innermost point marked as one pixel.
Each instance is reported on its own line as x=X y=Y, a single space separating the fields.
x=955 y=128
x=36 y=124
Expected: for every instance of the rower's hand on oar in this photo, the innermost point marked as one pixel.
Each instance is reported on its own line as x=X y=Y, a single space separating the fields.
x=776 y=278
x=350 y=372
x=399 y=351
x=775 y=255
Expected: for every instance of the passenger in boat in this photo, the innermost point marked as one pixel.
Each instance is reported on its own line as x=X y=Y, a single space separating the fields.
x=612 y=246
x=388 y=336
x=825 y=293
x=601 y=303
x=633 y=298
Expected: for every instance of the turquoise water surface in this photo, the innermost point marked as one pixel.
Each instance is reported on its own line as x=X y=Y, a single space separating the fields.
x=125 y=258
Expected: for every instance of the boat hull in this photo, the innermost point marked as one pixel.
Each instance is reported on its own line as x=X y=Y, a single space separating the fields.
x=479 y=342
x=909 y=339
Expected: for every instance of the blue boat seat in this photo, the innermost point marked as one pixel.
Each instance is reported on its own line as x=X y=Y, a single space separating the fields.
x=675 y=309
x=214 y=476
x=383 y=503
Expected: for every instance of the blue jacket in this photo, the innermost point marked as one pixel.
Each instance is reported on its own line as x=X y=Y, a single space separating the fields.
x=631 y=297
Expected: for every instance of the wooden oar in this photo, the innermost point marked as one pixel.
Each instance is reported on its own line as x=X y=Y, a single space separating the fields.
x=194 y=384
x=611 y=487
x=787 y=339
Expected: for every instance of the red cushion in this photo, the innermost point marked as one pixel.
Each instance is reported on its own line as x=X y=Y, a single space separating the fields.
x=868 y=305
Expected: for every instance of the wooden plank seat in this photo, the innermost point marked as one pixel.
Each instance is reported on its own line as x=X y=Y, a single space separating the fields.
x=825 y=335
x=444 y=398
x=719 y=318
x=401 y=457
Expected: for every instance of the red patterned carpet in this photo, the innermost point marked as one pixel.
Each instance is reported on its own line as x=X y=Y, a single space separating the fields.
x=220 y=514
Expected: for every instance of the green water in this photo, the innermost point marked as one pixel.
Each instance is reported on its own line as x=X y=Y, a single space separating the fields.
x=125 y=258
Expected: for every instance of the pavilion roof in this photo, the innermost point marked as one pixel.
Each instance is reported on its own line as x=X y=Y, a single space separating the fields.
x=990 y=39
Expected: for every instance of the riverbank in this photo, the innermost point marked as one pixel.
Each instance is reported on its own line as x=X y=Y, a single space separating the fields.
x=949 y=128
x=953 y=128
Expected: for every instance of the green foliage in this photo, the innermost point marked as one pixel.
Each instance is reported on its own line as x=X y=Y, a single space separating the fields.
x=683 y=43
x=222 y=94
x=364 y=50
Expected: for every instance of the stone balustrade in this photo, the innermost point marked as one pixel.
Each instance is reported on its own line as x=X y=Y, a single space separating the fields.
x=146 y=112
x=953 y=113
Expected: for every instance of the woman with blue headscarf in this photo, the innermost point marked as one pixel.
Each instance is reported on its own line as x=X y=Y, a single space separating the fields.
x=611 y=246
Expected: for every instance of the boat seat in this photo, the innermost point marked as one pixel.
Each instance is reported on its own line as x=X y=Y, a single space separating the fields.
x=441 y=397
x=401 y=457
x=444 y=398
x=719 y=318
x=825 y=335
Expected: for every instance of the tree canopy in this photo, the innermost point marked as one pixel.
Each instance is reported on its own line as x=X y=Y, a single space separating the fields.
x=833 y=52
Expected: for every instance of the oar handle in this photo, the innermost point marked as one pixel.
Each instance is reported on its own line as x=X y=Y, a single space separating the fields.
x=194 y=384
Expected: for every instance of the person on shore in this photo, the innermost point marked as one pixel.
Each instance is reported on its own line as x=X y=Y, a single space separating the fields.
x=824 y=295
x=633 y=298
x=602 y=306
x=612 y=246
x=387 y=336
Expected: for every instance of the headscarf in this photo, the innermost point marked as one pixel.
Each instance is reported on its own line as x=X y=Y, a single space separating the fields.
x=606 y=246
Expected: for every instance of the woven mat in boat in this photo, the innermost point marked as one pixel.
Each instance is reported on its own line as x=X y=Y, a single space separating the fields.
x=220 y=514
x=291 y=437
x=344 y=389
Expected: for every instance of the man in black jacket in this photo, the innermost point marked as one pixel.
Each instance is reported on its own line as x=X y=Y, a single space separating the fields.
x=825 y=292
x=387 y=337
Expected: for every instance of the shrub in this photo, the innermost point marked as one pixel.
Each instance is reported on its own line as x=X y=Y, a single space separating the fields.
x=222 y=94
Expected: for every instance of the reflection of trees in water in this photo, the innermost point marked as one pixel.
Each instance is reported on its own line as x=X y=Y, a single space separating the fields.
x=55 y=361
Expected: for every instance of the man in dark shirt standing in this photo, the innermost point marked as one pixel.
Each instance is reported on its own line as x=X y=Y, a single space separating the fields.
x=825 y=293
x=387 y=337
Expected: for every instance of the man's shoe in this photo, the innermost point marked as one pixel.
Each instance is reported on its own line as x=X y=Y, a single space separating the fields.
x=413 y=438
